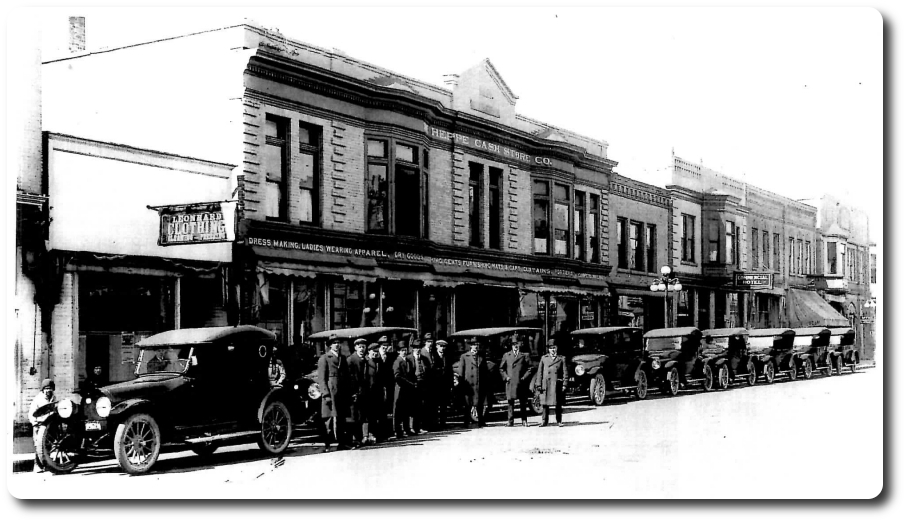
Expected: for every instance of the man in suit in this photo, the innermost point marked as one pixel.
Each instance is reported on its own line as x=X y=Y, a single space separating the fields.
x=420 y=366
x=550 y=382
x=334 y=381
x=516 y=370
x=372 y=394
x=474 y=377
x=385 y=369
x=441 y=385
x=356 y=364
x=404 y=377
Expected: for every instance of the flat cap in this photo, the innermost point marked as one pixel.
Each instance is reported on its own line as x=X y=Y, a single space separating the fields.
x=360 y=341
x=428 y=336
x=416 y=342
x=48 y=383
x=373 y=347
x=334 y=338
x=472 y=340
x=401 y=344
x=551 y=342
x=441 y=343
x=383 y=339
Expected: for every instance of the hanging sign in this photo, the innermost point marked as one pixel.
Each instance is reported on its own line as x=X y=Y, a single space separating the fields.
x=197 y=223
x=753 y=280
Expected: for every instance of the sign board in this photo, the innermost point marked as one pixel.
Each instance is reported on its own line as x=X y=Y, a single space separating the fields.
x=588 y=313
x=753 y=280
x=197 y=223
x=497 y=149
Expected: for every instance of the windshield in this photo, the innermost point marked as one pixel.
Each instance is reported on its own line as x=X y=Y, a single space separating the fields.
x=166 y=359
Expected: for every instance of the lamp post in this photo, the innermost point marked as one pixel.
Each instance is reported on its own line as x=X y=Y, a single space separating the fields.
x=666 y=283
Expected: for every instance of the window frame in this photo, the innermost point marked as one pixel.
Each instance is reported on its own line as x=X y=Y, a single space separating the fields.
x=593 y=213
x=282 y=123
x=314 y=149
x=569 y=215
x=638 y=252
x=495 y=219
x=474 y=200
x=622 y=235
x=546 y=199
x=688 y=239
x=651 y=247
x=579 y=234
x=392 y=162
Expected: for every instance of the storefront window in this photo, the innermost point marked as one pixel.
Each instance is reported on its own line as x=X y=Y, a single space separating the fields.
x=399 y=303
x=703 y=301
x=348 y=302
x=720 y=310
x=308 y=309
x=202 y=302
x=734 y=311
x=532 y=310
x=484 y=306
x=684 y=308
x=273 y=306
x=434 y=311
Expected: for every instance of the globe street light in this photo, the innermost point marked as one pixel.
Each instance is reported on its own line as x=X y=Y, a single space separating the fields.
x=666 y=283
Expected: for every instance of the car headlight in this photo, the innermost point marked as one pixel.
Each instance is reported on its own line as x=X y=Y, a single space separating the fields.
x=103 y=406
x=314 y=391
x=295 y=386
x=580 y=370
x=64 y=408
x=655 y=364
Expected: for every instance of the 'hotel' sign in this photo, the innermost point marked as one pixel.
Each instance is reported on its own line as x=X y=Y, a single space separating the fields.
x=753 y=280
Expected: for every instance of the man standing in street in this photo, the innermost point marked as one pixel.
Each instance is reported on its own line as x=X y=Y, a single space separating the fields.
x=420 y=365
x=385 y=370
x=441 y=385
x=356 y=364
x=516 y=370
x=550 y=382
x=43 y=397
x=474 y=376
x=404 y=377
x=373 y=395
x=333 y=377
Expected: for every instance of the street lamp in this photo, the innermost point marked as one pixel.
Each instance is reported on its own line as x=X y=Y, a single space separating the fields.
x=666 y=283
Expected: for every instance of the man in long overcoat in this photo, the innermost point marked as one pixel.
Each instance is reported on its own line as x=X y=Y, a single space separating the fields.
x=373 y=395
x=516 y=370
x=404 y=377
x=356 y=364
x=475 y=378
x=333 y=377
x=550 y=382
x=420 y=366
x=441 y=385
x=385 y=369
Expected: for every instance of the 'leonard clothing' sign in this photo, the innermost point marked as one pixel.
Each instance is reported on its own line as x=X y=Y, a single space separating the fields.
x=753 y=280
x=196 y=223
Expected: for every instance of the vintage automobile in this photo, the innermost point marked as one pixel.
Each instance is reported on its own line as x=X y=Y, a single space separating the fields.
x=727 y=354
x=842 y=346
x=676 y=358
x=810 y=349
x=772 y=352
x=304 y=373
x=495 y=342
x=608 y=360
x=198 y=388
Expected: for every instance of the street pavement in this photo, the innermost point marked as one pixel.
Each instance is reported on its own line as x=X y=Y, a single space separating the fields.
x=820 y=438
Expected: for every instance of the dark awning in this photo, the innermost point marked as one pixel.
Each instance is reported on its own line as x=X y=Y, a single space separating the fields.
x=807 y=308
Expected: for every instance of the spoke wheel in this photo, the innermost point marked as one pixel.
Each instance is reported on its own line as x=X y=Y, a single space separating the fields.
x=807 y=368
x=708 y=383
x=769 y=372
x=599 y=390
x=723 y=377
x=641 y=390
x=276 y=428
x=672 y=381
x=793 y=370
x=838 y=365
x=137 y=443
x=753 y=375
x=56 y=448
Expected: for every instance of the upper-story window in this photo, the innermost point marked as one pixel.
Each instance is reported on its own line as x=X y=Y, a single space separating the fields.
x=791 y=257
x=651 y=248
x=622 y=243
x=561 y=220
x=874 y=269
x=832 y=257
x=309 y=166
x=766 y=250
x=636 y=247
x=754 y=239
x=808 y=257
x=495 y=207
x=395 y=190
x=476 y=172
x=688 y=239
x=579 y=244
x=592 y=228
x=731 y=250
x=540 y=215
x=713 y=240
x=275 y=162
x=776 y=251
x=800 y=265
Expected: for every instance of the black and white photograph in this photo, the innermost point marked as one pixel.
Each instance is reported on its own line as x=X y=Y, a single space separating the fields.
x=515 y=251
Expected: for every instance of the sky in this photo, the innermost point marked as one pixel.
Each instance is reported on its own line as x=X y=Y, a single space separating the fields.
x=789 y=99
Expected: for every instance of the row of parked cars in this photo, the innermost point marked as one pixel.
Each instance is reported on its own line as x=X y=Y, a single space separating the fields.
x=201 y=388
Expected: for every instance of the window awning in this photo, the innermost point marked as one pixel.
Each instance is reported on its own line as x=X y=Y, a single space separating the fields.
x=349 y=273
x=637 y=292
x=807 y=308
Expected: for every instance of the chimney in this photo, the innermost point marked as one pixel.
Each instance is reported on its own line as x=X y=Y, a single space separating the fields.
x=76 y=34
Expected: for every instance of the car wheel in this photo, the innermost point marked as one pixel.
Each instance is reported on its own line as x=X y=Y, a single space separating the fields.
x=137 y=443
x=723 y=377
x=205 y=450
x=672 y=381
x=855 y=362
x=708 y=382
x=807 y=368
x=793 y=369
x=641 y=390
x=753 y=374
x=276 y=428
x=829 y=365
x=769 y=373
x=599 y=390
x=838 y=365
x=56 y=448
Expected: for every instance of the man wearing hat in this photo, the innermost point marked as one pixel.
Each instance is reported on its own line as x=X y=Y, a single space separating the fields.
x=420 y=366
x=385 y=378
x=550 y=382
x=516 y=369
x=333 y=377
x=372 y=398
x=441 y=385
x=356 y=364
x=474 y=377
x=404 y=377
x=45 y=396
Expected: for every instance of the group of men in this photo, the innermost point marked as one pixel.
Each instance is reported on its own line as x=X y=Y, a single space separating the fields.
x=397 y=393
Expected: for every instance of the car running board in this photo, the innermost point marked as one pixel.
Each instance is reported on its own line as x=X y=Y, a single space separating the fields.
x=224 y=436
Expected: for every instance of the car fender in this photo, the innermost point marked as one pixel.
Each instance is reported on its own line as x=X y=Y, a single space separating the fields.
x=275 y=393
x=805 y=356
x=641 y=368
x=127 y=406
x=667 y=365
x=718 y=361
x=593 y=371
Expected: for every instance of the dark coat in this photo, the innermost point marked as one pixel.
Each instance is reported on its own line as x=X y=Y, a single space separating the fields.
x=420 y=380
x=474 y=377
x=551 y=380
x=441 y=373
x=356 y=367
x=404 y=376
x=333 y=377
x=373 y=391
x=516 y=371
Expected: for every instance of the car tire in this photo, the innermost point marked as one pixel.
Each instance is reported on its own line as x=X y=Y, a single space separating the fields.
x=205 y=450
x=598 y=390
x=276 y=428
x=137 y=443
x=794 y=370
x=672 y=382
x=708 y=376
x=838 y=365
x=55 y=448
x=641 y=387
x=769 y=372
x=752 y=376
x=723 y=377
x=807 y=368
